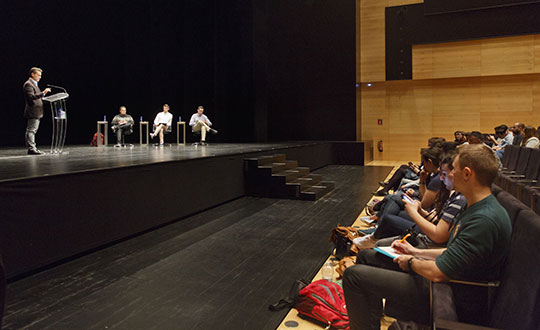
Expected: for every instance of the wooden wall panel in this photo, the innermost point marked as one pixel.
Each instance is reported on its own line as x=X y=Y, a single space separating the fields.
x=414 y=111
x=372 y=40
x=507 y=56
x=456 y=104
x=477 y=58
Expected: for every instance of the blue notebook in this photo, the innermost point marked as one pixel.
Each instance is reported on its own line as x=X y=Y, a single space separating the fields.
x=387 y=251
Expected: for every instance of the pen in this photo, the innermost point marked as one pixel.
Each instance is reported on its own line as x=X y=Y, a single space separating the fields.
x=405 y=237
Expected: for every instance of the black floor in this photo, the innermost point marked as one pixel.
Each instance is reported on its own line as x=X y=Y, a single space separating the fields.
x=15 y=164
x=219 y=269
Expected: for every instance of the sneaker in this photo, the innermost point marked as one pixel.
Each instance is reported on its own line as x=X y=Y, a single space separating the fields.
x=367 y=220
x=203 y=143
x=161 y=145
x=368 y=231
x=213 y=131
x=366 y=242
x=152 y=135
x=118 y=145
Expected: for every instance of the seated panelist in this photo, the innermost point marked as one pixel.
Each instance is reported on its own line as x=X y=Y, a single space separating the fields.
x=162 y=122
x=200 y=123
x=122 y=124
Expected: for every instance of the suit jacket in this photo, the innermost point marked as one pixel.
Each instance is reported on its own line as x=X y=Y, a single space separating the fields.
x=33 y=97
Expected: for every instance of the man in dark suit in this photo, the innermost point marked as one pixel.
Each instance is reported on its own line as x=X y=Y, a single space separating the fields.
x=34 y=108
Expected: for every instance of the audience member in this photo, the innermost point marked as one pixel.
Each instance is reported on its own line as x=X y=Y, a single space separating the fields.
x=475 y=137
x=530 y=138
x=162 y=122
x=504 y=138
x=517 y=130
x=447 y=205
x=429 y=185
x=460 y=137
x=476 y=251
x=122 y=124
x=436 y=142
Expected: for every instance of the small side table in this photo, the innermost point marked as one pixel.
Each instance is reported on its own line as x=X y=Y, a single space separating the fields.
x=183 y=123
x=141 y=125
x=105 y=125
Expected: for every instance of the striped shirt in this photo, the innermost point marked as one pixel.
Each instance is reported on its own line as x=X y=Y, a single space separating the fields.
x=452 y=208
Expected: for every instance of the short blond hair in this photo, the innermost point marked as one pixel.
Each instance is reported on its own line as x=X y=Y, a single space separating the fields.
x=481 y=159
x=34 y=70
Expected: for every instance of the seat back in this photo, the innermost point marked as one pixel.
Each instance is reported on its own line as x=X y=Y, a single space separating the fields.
x=495 y=189
x=508 y=150
x=537 y=203
x=533 y=168
x=2 y=290
x=518 y=296
x=523 y=160
x=513 y=160
x=511 y=205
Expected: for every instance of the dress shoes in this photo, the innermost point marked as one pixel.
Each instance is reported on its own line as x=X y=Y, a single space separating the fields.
x=35 y=152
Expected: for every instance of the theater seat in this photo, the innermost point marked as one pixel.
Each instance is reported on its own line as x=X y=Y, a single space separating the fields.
x=512 y=205
x=2 y=290
x=495 y=189
x=516 y=300
x=532 y=173
x=519 y=170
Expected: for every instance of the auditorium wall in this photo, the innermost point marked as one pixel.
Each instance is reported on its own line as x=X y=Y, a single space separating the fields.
x=463 y=85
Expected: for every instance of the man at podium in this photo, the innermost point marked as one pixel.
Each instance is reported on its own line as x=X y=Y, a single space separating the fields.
x=33 y=110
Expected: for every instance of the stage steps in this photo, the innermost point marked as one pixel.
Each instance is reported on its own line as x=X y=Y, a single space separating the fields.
x=275 y=176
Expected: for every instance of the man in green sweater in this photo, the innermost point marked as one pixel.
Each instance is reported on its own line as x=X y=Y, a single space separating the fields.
x=476 y=251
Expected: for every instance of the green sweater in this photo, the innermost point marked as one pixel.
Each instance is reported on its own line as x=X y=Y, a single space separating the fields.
x=476 y=251
x=479 y=244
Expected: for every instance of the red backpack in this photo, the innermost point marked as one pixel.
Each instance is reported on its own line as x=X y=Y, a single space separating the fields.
x=324 y=301
x=95 y=139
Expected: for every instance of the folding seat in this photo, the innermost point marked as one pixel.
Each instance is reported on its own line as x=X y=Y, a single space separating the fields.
x=518 y=171
x=514 y=184
x=506 y=155
x=512 y=163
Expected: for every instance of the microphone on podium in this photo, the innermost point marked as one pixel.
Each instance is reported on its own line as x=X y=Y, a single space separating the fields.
x=53 y=86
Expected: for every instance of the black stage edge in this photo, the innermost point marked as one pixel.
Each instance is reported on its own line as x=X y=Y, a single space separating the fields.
x=57 y=207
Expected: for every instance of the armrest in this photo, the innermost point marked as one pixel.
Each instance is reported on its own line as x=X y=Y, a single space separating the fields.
x=526 y=181
x=486 y=284
x=440 y=324
x=507 y=172
x=515 y=176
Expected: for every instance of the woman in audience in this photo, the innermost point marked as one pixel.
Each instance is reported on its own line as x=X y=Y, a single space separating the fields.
x=530 y=138
x=435 y=224
x=409 y=171
x=429 y=185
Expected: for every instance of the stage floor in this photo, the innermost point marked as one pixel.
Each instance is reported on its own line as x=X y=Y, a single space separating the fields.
x=15 y=164
x=218 y=269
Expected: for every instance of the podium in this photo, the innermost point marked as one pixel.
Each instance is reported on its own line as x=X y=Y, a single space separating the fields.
x=58 y=106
